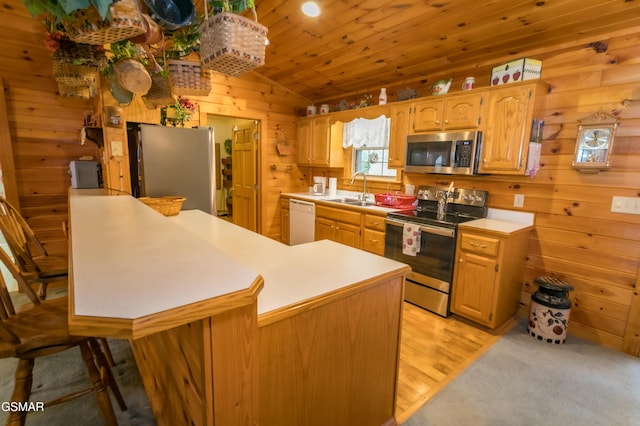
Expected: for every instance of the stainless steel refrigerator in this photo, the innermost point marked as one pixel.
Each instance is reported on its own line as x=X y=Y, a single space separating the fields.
x=173 y=161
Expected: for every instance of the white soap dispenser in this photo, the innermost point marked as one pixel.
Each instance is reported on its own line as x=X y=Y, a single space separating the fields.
x=382 y=99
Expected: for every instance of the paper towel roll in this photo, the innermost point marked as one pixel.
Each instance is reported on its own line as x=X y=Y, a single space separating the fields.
x=333 y=186
x=409 y=189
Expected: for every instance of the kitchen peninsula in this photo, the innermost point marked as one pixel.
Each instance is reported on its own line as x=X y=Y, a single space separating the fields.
x=230 y=327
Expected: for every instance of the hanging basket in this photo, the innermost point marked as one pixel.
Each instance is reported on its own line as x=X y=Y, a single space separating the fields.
x=74 y=75
x=187 y=78
x=160 y=93
x=76 y=64
x=76 y=91
x=87 y=26
x=232 y=44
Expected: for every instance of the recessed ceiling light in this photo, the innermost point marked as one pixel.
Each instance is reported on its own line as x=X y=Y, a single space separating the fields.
x=310 y=9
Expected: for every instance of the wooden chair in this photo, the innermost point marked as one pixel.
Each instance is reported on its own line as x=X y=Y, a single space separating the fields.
x=39 y=329
x=33 y=259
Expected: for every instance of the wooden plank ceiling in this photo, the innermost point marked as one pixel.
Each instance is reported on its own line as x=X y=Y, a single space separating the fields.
x=357 y=46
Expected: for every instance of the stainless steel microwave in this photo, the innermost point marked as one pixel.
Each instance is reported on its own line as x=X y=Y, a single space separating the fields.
x=453 y=153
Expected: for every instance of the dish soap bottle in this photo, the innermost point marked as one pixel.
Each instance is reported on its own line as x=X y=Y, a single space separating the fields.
x=382 y=99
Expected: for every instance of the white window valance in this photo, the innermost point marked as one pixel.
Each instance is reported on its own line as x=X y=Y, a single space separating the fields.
x=362 y=132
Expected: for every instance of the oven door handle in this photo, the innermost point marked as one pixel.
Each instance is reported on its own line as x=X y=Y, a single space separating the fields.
x=445 y=232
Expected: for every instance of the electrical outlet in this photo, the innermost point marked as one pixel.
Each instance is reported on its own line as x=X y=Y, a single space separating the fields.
x=629 y=205
x=518 y=200
x=116 y=149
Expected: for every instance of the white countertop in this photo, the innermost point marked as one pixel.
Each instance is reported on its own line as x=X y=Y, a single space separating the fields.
x=495 y=225
x=130 y=261
x=292 y=274
x=505 y=221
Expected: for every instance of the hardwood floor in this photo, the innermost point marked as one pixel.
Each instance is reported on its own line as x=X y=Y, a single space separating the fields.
x=433 y=351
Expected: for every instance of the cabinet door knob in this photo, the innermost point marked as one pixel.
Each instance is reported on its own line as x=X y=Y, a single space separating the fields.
x=373 y=241
x=446 y=121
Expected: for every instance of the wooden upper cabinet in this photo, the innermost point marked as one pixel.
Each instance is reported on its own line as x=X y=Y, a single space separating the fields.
x=398 y=135
x=321 y=142
x=315 y=138
x=508 y=127
x=304 y=137
x=457 y=112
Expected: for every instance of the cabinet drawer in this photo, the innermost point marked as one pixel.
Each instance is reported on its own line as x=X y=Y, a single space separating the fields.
x=479 y=244
x=341 y=215
x=374 y=222
x=373 y=241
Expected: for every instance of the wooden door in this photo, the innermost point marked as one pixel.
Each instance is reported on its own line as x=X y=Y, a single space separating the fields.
x=325 y=229
x=508 y=122
x=426 y=116
x=321 y=142
x=245 y=176
x=304 y=136
x=473 y=287
x=462 y=112
x=347 y=234
x=399 y=130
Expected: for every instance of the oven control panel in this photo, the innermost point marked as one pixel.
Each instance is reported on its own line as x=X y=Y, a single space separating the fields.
x=470 y=197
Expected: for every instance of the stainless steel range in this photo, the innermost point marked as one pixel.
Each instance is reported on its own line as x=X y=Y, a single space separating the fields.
x=436 y=217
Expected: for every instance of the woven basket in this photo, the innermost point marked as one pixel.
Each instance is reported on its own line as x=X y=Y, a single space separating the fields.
x=232 y=44
x=76 y=91
x=168 y=206
x=188 y=78
x=125 y=21
x=74 y=75
x=159 y=95
x=76 y=64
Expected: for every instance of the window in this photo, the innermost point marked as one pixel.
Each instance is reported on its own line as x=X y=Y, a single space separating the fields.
x=372 y=161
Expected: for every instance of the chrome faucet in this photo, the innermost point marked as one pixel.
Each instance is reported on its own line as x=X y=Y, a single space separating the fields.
x=364 y=184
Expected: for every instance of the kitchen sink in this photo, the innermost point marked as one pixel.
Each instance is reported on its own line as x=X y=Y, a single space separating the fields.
x=350 y=201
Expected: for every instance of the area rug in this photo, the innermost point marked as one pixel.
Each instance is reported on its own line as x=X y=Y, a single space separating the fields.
x=59 y=374
x=64 y=372
x=523 y=381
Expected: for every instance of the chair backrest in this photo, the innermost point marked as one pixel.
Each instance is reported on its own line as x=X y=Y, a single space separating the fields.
x=7 y=308
x=19 y=237
x=23 y=286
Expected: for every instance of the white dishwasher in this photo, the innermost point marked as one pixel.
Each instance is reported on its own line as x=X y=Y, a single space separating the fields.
x=302 y=222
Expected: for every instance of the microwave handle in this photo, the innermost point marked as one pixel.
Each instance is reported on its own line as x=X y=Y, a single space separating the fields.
x=444 y=232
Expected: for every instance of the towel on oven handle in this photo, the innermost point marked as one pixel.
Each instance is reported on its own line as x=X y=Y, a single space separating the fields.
x=410 y=239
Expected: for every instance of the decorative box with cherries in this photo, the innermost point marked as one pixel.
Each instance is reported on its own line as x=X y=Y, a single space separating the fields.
x=515 y=71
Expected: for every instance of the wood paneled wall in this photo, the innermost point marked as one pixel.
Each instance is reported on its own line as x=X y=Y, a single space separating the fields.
x=45 y=128
x=576 y=236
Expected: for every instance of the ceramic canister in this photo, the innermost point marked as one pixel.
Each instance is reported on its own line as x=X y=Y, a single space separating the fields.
x=311 y=110
x=469 y=83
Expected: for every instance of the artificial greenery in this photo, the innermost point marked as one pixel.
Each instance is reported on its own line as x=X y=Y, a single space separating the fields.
x=62 y=9
x=183 y=41
x=120 y=50
x=235 y=6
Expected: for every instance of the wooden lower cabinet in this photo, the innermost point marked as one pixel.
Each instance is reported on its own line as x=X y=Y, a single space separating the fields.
x=339 y=225
x=373 y=234
x=340 y=232
x=488 y=275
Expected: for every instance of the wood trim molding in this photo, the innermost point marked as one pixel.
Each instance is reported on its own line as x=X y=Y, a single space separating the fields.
x=7 y=165
x=631 y=342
